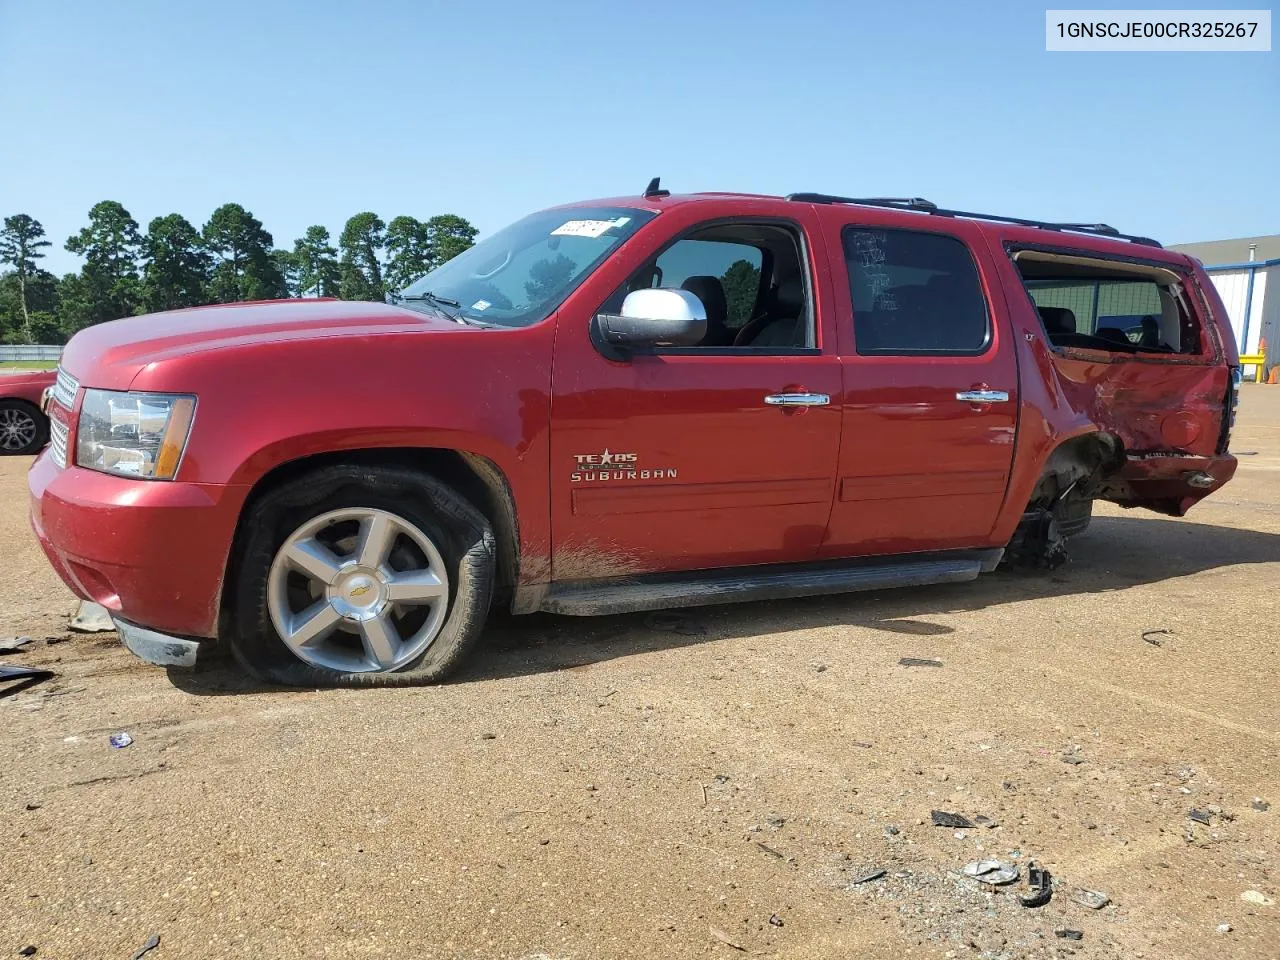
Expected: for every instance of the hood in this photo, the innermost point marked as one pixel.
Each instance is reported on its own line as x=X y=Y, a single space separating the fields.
x=111 y=354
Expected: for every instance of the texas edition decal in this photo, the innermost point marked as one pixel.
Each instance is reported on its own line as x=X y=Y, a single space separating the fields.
x=615 y=466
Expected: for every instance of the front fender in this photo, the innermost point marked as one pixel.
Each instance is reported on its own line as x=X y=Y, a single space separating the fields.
x=483 y=393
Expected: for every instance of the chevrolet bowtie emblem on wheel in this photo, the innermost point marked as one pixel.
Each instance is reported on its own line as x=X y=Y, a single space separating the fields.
x=360 y=589
x=608 y=465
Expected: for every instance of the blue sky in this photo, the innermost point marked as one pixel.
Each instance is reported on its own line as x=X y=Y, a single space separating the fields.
x=307 y=112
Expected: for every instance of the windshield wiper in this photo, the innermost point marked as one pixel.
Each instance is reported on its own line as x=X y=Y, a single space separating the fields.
x=430 y=298
x=440 y=302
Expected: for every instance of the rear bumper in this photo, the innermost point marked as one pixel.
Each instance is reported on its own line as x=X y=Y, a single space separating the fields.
x=153 y=553
x=1168 y=483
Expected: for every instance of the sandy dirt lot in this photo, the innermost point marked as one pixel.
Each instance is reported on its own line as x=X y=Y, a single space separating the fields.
x=605 y=789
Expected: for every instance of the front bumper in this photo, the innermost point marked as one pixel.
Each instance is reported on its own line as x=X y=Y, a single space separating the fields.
x=158 y=648
x=153 y=553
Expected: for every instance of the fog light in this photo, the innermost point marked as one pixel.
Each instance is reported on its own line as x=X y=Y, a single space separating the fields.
x=1199 y=479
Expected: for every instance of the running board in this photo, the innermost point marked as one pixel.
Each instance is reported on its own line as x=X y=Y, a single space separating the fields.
x=588 y=598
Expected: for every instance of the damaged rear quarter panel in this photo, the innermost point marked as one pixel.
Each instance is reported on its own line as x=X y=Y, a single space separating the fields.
x=1166 y=413
x=1167 y=416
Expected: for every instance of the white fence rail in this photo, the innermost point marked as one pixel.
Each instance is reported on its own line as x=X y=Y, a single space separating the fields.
x=28 y=351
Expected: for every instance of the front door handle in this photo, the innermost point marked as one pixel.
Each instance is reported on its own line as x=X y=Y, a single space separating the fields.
x=983 y=396
x=797 y=399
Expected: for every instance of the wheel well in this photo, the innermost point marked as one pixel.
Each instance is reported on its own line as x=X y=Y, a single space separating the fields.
x=476 y=478
x=1078 y=463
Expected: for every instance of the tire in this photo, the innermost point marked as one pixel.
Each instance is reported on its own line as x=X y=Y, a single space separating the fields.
x=440 y=528
x=1073 y=515
x=23 y=428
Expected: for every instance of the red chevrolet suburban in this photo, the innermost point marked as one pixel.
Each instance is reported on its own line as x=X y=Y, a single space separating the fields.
x=628 y=404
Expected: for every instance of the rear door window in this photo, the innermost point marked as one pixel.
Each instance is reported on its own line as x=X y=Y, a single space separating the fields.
x=913 y=293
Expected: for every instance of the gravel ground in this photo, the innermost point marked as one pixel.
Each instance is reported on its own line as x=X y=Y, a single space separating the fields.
x=613 y=788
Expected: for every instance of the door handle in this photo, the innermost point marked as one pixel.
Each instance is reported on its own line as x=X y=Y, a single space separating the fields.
x=797 y=399
x=983 y=396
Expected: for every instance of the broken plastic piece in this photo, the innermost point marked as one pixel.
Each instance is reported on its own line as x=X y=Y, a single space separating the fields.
x=26 y=677
x=1152 y=636
x=1066 y=934
x=716 y=932
x=152 y=942
x=1199 y=816
x=918 y=662
x=867 y=877
x=1260 y=804
x=987 y=822
x=956 y=821
x=13 y=644
x=92 y=618
x=993 y=872
x=1040 y=886
x=1093 y=899
x=120 y=740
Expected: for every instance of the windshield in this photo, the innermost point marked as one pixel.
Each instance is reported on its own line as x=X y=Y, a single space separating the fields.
x=521 y=274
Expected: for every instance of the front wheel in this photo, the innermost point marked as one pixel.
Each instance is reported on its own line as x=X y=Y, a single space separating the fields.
x=357 y=576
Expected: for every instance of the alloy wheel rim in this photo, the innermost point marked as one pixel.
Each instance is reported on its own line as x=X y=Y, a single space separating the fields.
x=17 y=429
x=358 y=590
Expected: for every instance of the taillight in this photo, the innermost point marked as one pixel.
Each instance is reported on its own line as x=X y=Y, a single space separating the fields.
x=1232 y=405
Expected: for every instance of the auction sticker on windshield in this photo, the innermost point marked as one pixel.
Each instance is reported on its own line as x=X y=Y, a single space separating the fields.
x=588 y=228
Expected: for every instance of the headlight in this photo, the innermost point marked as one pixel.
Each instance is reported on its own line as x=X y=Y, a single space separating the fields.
x=133 y=434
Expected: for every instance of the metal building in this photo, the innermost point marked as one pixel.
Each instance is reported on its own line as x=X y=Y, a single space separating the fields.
x=1247 y=275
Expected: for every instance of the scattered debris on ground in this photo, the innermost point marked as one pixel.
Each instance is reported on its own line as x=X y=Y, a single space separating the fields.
x=1153 y=636
x=1260 y=805
x=25 y=677
x=919 y=662
x=152 y=942
x=867 y=877
x=120 y=740
x=13 y=644
x=92 y=618
x=724 y=938
x=1039 y=887
x=669 y=621
x=1257 y=898
x=955 y=821
x=993 y=872
x=1093 y=899
x=1067 y=934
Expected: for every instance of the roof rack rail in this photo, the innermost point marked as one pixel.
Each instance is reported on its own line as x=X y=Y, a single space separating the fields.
x=921 y=205
x=907 y=203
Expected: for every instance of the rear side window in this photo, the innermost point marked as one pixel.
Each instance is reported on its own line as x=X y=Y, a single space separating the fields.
x=1096 y=305
x=914 y=293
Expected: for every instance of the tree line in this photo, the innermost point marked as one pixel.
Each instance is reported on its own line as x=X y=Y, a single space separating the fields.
x=231 y=258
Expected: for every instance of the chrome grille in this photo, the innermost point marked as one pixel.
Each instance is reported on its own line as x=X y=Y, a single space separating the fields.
x=64 y=389
x=58 y=442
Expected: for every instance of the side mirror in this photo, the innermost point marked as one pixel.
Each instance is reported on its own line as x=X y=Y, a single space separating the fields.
x=654 y=318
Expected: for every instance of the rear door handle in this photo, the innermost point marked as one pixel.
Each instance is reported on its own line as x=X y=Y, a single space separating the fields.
x=983 y=396
x=797 y=399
